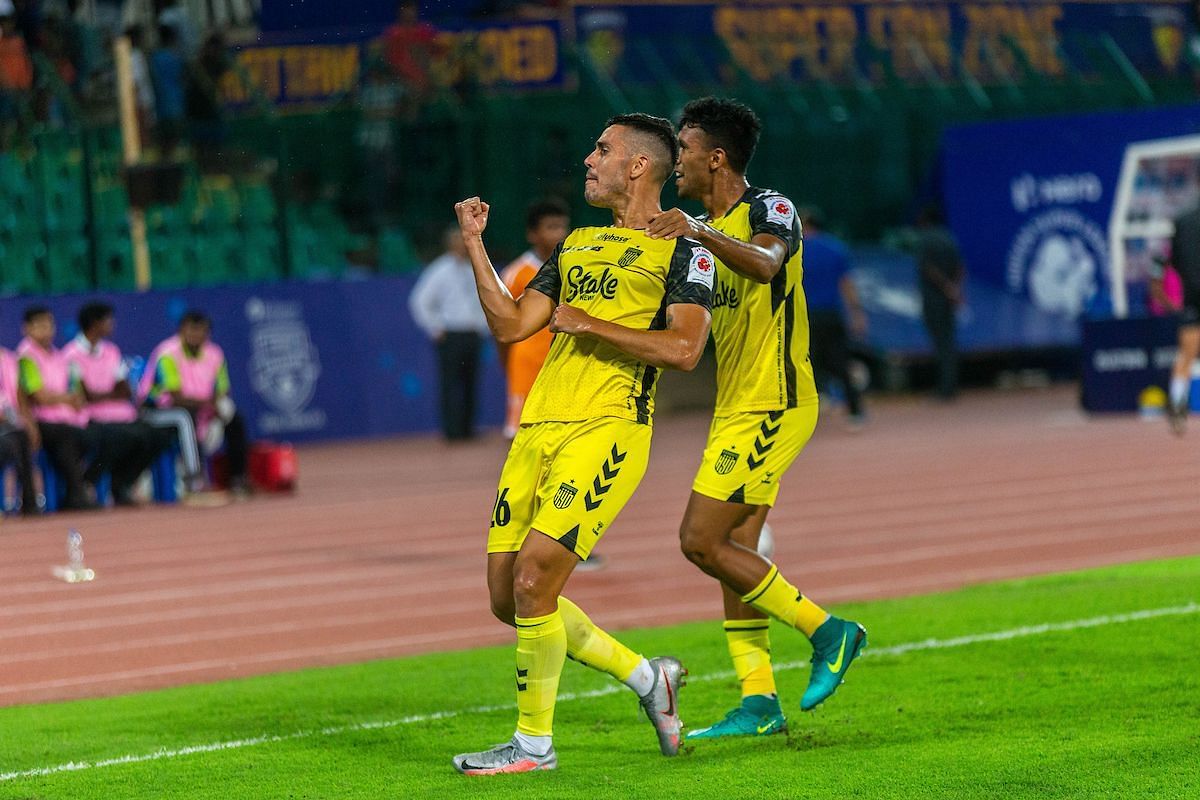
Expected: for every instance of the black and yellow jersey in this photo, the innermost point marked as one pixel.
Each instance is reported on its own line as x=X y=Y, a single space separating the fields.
x=622 y=276
x=761 y=329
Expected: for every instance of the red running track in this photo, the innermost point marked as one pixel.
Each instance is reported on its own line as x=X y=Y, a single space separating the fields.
x=929 y=497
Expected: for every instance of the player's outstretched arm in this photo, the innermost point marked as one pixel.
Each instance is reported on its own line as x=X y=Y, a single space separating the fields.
x=509 y=320
x=679 y=346
x=758 y=259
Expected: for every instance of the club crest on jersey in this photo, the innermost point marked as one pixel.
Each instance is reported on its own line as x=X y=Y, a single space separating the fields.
x=725 y=462
x=565 y=494
x=628 y=257
x=702 y=268
x=780 y=211
x=584 y=285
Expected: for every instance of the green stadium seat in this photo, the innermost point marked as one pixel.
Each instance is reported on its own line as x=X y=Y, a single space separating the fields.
x=67 y=265
x=260 y=256
x=169 y=263
x=217 y=203
x=114 y=263
x=216 y=258
x=396 y=253
x=22 y=256
x=257 y=203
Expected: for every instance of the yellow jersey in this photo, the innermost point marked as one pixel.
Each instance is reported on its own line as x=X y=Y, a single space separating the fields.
x=622 y=276
x=761 y=329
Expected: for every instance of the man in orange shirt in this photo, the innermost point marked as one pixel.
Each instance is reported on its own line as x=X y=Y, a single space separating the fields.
x=546 y=224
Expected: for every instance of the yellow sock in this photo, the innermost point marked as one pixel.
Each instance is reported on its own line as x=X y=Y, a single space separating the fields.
x=750 y=647
x=594 y=647
x=777 y=597
x=541 y=649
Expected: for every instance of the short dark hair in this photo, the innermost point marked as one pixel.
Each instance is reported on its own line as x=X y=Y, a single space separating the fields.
x=33 y=312
x=194 y=316
x=656 y=129
x=540 y=209
x=729 y=125
x=93 y=313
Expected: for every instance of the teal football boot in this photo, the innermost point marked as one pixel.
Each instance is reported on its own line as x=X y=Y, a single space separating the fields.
x=758 y=715
x=835 y=646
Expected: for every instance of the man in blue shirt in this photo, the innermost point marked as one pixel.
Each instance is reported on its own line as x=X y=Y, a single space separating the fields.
x=832 y=297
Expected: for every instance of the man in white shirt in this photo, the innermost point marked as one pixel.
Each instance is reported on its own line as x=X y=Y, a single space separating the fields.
x=444 y=305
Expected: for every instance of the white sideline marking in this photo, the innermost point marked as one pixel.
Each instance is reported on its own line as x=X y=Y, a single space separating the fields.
x=335 y=730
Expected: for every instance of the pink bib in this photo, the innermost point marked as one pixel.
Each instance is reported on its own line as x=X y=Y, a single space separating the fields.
x=56 y=377
x=100 y=371
x=9 y=384
x=197 y=376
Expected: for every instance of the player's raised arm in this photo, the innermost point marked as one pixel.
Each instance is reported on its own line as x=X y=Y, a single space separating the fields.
x=678 y=346
x=680 y=340
x=759 y=259
x=509 y=320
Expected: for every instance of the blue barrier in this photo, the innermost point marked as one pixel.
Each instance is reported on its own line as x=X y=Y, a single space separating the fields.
x=991 y=320
x=1029 y=200
x=1123 y=357
x=308 y=361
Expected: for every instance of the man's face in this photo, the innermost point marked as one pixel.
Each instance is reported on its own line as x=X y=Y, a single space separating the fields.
x=193 y=334
x=41 y=329
x=607 y=176
x=549 y=231
x=105 y=327
x=693 y=178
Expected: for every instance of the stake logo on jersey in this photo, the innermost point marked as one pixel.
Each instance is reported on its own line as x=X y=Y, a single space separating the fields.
x=621 y=276
x=761 y=330
x=585 y=286
x=724 y=295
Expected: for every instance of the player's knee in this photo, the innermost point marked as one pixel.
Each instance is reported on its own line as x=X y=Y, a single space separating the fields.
x=696 y=546
x=529 y=585
x=504 y=609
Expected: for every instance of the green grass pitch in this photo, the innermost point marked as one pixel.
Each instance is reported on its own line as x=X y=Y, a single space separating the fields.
x=1071 y=698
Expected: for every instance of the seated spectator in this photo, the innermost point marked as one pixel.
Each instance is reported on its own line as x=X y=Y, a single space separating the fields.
x=18 y=432
x=57 y=404
x=123 y=445
x=188 y=371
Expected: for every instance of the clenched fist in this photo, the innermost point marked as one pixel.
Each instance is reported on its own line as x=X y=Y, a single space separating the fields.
x=472 y=216
x=570 y=320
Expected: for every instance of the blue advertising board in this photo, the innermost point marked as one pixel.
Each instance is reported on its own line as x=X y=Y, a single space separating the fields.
x=321 y=66
x=307 y=361
x=1029 y=201
x=990 y=321
x=1121 y=358
x=842 y=40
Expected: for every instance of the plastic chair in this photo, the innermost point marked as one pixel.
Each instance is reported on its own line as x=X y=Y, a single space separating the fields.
x=55 y=489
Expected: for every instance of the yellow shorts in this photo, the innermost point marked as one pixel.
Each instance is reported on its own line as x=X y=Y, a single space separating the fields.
x=748 y=453
x=568 y=480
